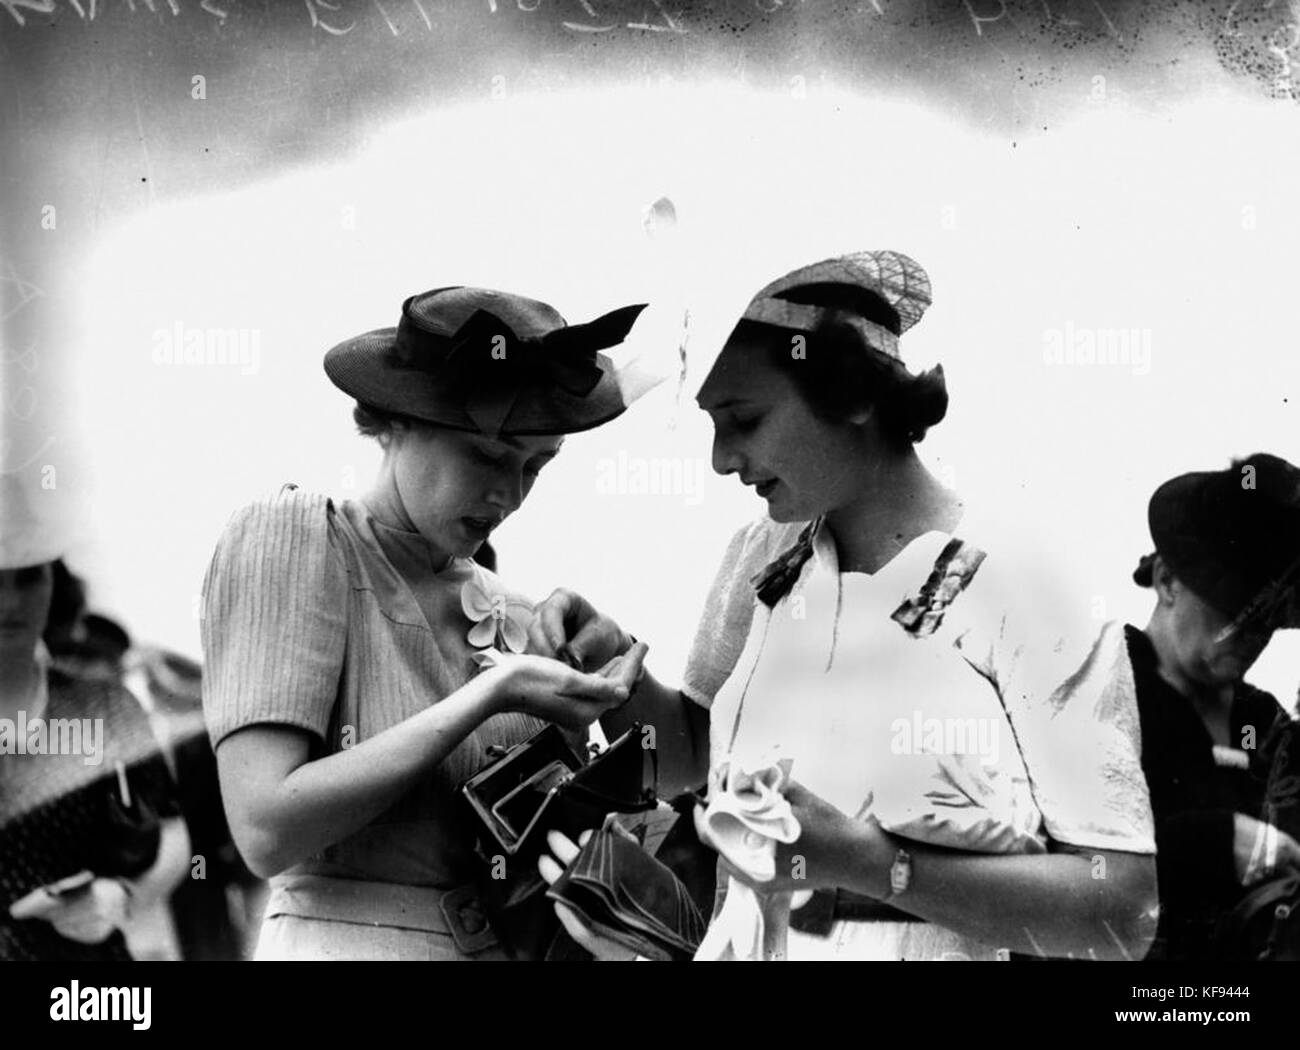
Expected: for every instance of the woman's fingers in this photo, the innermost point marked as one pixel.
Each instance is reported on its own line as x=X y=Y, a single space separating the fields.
x=35 y=905
x=53 y=897
x=562 y=846
x=628 y=672
x=625 y=669
x=87 y=917
x=616 y=828
x=575 y=929
x=90 y=928
x=598 y=690
x=565 y=852
x=549 y=869
x=602 y=948
x=596 y=639
x=795 y=793
x=739 y=875
x=546 y=633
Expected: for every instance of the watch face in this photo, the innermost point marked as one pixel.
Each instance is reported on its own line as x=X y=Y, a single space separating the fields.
x=900 y=874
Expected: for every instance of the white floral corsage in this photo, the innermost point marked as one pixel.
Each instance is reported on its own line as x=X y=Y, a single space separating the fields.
x=500 y=620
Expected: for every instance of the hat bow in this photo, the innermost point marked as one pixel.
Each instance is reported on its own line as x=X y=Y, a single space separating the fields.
x=491 y=365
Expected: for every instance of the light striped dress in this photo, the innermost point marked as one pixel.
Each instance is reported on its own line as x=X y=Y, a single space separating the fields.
x=317 y=616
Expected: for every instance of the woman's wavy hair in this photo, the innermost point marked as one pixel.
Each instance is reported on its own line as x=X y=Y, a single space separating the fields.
x=379 y=423
x=841 y=374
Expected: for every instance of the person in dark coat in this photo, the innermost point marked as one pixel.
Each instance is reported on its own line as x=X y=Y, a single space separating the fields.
x=1225 y=573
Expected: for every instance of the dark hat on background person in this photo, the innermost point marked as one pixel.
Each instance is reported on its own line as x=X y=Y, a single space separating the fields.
x=1233 y=537
x=175 y=681
x=492 y=362
x=92 y=639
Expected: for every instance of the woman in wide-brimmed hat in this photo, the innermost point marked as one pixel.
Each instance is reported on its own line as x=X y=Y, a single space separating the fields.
x=91 y=836
x=886 y=705
x=340 y=639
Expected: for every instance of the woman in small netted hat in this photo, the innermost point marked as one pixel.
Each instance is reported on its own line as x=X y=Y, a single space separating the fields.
x=343 y=640
x=911 y=753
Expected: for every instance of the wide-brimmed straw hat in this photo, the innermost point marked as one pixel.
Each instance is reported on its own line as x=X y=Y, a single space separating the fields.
x=488 y=361
x=1233 y=538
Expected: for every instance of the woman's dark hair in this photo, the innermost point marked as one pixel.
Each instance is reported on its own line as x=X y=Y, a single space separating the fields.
x=1144 y=575
x=67 y=602
x=839 y=374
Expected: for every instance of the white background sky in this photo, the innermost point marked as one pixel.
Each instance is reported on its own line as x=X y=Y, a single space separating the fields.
x=1179 y=221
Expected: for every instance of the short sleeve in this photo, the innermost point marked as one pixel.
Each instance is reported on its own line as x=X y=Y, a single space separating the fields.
x=274 y=621
x=1067 y=687
x=729 y=608
x=1074 y=711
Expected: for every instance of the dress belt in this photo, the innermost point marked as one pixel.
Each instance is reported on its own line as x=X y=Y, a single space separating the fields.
x=455 y=912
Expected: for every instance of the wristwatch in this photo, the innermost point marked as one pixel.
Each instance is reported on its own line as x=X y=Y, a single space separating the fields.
x=900 y=874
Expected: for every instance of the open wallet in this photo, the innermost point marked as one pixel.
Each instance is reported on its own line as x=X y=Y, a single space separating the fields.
x=538 y=786
x=624 y=894
x=542 y=785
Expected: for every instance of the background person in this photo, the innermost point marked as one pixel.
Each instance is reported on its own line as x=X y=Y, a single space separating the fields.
x=209 y=915
x=85 y=849
x=1224 y=574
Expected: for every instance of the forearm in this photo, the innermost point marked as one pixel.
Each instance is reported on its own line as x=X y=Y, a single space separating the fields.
x=680 y=730
x=1096 y=904
x=323 y=801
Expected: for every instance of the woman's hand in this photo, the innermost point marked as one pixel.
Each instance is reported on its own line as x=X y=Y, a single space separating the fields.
x=567 y=623
x=1259 y=850
x=833 y=850
x=87 y=915
x=555 y=692
x=552 y=867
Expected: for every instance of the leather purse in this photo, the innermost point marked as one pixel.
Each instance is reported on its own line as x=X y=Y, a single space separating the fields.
x=542 y=785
